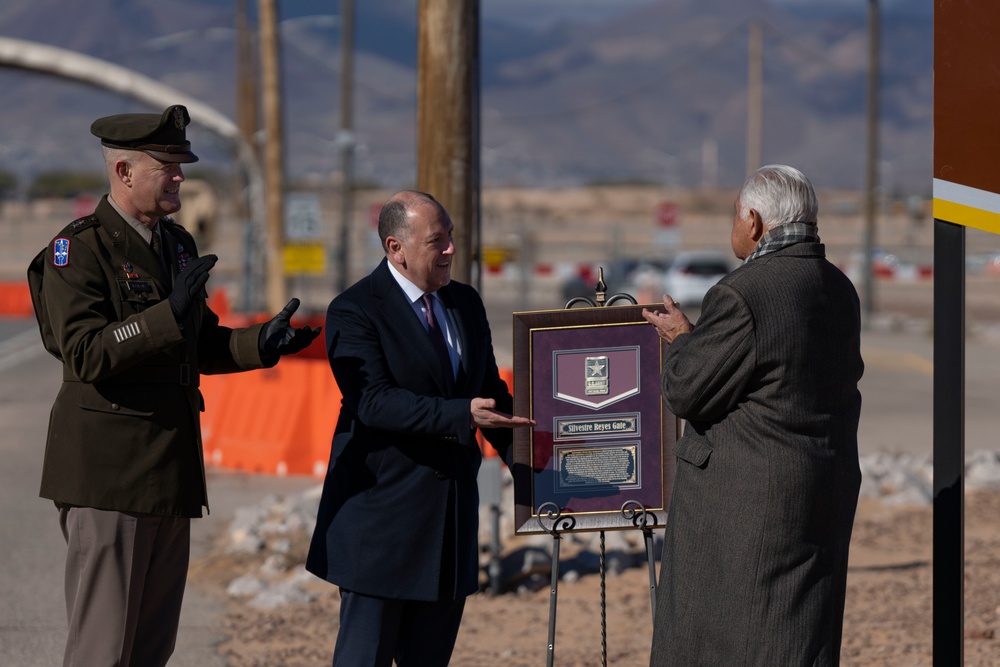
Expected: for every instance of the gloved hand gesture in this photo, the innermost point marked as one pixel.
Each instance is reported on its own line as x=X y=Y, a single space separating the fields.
x=190 y=284
x=279 y=337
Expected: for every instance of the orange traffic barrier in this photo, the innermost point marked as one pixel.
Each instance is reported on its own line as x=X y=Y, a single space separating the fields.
x=278 y=421
x=218 y=301
x=15 y=299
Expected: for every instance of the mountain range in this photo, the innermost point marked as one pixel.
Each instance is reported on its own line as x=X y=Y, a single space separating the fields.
x=649 y=90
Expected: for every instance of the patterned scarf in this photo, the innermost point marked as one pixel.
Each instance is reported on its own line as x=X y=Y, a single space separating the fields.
x=783 y=236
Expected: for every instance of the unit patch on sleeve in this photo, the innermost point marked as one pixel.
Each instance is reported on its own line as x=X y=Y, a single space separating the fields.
x=60 y=252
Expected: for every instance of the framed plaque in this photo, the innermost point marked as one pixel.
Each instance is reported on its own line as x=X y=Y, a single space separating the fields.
x=601 y=451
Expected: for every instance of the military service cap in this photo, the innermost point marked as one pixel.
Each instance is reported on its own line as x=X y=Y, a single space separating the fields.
x=158 y=135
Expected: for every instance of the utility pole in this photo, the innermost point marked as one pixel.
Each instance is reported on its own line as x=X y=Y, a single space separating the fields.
x=447 y=117
x=475 y=137
x=755 y=97
x=871 y=171
x=246 y=76
x=345 y=141
x=274 y=177
x=247 y=120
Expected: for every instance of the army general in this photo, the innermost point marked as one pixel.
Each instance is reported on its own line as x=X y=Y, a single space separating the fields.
x=120 y=300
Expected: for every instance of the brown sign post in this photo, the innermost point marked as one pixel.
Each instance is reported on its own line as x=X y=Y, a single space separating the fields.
x=966 y=194
x=966 y=94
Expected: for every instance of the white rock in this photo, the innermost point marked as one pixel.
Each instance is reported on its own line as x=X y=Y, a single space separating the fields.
x=245 y=586
x=274 y=565
x=911 y=495
x=279 y=595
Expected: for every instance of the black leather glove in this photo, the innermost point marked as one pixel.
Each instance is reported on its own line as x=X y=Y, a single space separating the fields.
x=190 y=284
x=279 y=337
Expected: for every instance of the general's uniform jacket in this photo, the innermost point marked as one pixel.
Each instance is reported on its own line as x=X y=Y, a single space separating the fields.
x=400 y=496
x=124 y=432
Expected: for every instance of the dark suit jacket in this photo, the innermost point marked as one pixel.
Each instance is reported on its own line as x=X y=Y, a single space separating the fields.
x=404 y=460
x=124 y=432
x=754 y=563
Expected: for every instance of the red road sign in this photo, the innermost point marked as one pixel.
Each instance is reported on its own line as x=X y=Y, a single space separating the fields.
x=666 y=214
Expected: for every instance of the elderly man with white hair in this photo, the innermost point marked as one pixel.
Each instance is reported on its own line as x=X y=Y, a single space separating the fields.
x=754 y=568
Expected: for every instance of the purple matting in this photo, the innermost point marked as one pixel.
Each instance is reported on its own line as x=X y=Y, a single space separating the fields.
x=558 y=366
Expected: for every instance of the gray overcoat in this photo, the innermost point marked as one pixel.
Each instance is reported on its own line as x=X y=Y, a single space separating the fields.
x=754 y=564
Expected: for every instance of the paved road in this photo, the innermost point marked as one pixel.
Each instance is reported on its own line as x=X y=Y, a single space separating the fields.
x=897 y=390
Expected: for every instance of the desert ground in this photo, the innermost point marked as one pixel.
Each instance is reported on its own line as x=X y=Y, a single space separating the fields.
x=887 y=623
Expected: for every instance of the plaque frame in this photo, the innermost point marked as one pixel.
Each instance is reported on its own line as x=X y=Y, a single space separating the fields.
x=590 y=377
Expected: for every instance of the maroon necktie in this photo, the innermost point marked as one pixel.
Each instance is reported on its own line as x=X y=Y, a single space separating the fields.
x=437 y=339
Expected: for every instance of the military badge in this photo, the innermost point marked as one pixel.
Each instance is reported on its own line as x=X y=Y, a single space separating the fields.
x=139 y=286
x=597 y=381
x=60 y=252
x=81 y=222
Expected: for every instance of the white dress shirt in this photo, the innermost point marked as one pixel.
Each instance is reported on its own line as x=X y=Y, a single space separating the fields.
x=416 y=298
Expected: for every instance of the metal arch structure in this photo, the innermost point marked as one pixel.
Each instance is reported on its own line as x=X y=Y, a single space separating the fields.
x=66 y=64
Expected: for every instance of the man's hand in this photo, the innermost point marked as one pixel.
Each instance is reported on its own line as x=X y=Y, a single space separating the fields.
x=672 y=323
x=279 y=337
x=190 y=285
x=485 y=415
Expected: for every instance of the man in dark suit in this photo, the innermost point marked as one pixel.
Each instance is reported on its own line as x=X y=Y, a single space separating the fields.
x=754 y=568
x=120 y=301
x=398 y=521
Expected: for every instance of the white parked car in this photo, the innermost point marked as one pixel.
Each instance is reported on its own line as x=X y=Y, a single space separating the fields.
x=692 y=273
